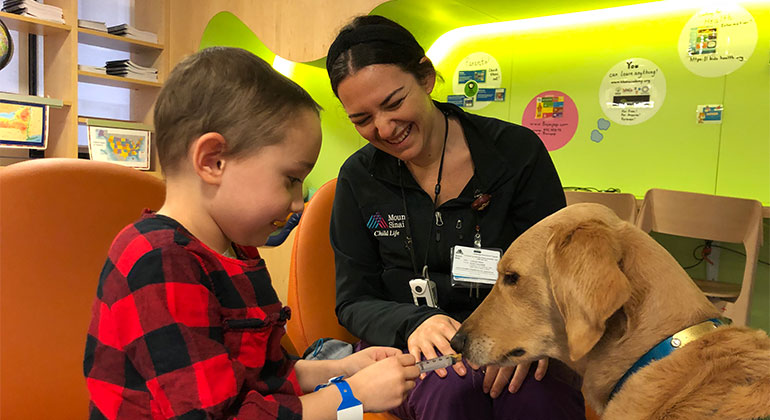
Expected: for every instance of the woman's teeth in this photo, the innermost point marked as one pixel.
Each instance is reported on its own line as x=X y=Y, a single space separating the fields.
x=402 y=137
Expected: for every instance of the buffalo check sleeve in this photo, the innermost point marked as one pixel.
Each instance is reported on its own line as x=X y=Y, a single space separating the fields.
x=161 y=342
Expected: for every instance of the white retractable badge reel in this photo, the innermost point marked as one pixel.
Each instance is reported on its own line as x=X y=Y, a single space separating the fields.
x=424 y=290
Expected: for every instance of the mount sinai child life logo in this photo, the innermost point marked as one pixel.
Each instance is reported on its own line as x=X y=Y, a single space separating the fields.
x=386 y=226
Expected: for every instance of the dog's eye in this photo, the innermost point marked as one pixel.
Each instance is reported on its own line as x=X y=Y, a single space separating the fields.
x=511 y=278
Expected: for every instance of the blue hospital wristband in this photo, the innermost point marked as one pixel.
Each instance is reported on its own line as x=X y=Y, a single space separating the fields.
x=350 y=408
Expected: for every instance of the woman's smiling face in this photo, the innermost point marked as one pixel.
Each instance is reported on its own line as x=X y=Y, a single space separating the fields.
x=390 y=108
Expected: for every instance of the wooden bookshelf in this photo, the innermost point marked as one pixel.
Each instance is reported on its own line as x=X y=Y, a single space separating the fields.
x=114 y=42
x=62 y=76
x=115 y=81
x=32 y=25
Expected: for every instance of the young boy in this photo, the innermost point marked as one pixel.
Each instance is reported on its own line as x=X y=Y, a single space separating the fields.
x=186 y=323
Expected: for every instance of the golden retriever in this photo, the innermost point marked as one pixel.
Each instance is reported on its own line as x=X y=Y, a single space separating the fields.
x=597 y=293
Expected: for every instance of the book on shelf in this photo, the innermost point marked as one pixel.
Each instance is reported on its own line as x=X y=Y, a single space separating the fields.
x=93 y=25
x=129 y=69
x=31 y=8
x=129 y=31
x=92 y=69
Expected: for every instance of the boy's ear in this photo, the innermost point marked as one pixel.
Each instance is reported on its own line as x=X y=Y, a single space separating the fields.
x=208 y=157
x=429 y=82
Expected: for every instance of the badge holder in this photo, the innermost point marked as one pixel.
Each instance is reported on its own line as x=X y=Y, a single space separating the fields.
x=474 y=267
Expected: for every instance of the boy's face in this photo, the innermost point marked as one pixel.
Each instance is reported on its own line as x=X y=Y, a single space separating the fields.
x=264 y=187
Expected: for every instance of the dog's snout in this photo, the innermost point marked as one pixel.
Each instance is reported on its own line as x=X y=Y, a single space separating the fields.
x=458 y=341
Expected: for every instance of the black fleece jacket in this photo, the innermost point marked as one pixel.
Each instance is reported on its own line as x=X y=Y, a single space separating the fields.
x=369 y=226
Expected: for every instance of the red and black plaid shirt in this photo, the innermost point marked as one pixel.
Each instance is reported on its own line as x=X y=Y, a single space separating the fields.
x=179 y=331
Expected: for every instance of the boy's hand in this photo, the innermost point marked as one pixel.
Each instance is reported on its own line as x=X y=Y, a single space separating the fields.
x=384 y=384
x=359 y=360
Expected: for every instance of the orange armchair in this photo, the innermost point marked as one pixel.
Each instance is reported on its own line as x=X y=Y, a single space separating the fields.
x=57 y=220
x=311 y=293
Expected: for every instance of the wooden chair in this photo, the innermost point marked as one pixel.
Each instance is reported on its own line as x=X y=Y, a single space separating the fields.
x=57 y=220
x=623 y=204
x=711 y=217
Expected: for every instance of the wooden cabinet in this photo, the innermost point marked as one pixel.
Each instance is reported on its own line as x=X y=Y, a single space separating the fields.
x=61 y=74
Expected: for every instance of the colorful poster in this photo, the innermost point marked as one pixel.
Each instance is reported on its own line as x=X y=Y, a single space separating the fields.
x=125 y=147
x=491 y=95
x=23 y=125
x=549 y=107
x=709 y=114
x=632 y=91
x=458 y=100
x=553 y=116
x=478 y=78
x=703 y=40
x=718 y=40
x=477 y=75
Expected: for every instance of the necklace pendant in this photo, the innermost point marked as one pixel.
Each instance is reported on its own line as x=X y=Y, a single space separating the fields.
x=481 y=202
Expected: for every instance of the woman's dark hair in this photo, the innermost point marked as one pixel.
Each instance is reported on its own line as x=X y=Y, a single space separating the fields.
x=371 y=40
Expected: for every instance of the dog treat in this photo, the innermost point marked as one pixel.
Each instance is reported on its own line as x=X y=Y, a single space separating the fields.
x=439 y=362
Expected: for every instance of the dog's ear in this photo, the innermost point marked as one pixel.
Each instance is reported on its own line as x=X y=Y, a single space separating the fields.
x=586 y=280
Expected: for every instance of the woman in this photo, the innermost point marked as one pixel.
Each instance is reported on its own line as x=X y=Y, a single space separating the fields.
x=432 y=177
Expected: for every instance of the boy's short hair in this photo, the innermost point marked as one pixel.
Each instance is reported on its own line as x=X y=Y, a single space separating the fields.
x=229 y=91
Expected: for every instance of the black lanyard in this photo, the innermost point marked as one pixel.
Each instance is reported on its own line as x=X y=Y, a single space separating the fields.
x=409 y=244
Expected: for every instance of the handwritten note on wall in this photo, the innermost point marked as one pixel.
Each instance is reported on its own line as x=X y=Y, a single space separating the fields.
x=478 y=78
x=717 y=41
x=632 y=91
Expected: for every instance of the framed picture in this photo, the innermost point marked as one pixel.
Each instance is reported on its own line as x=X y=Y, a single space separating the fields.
x=23 y=124
x=123 y=146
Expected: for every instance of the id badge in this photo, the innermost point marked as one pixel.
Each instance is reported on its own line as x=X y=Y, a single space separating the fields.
x=474 y=266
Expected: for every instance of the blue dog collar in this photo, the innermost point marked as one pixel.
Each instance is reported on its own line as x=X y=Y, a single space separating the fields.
x=668 y=345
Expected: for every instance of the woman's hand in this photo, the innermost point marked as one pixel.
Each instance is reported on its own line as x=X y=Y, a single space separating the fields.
x=496 y=378
x=435 y=333
x=361 y=359
x=383 y=385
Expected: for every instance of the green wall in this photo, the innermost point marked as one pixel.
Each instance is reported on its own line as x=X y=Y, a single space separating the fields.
x=667 y=151
x=340 y=138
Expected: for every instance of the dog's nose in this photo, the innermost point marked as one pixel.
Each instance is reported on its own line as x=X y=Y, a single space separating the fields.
x=458 y=341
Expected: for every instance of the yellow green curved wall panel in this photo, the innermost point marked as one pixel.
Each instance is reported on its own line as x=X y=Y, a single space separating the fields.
x=340 y=138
